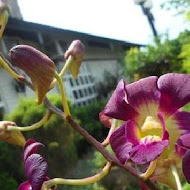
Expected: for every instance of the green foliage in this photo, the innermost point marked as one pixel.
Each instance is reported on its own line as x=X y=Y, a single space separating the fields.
x=11 y=166
x=157 y=59
x=182 y=6
x=7 y=182
x=57 y=136
x=186 y=186
x=63 y=145
x=185 y=55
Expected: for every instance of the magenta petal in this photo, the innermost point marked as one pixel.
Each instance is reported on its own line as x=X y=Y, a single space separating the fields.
x=31 y=149
x=148 y=151
x=25 y=186
x=119 y=144
x=186 y=165
x=36 y=170
x=143 y=92
x=183 y=119
x=131 y=132
x=175 y=92
x=184 y=141
x=117 y=107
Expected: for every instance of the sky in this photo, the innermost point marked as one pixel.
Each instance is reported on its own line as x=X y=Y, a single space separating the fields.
x=116 y=19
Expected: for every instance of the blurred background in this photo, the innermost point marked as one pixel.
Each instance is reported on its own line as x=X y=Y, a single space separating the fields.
x=127 y=39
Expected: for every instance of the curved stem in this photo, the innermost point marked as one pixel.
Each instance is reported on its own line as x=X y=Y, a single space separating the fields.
x=85 y=181
x=64 y=98
x=31 y=127
x=113 y=126
x=66 y=66
x=11 y=72
x=177 y=180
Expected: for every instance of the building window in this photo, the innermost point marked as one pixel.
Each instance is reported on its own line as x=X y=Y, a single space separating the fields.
x=81 y=90
x=71 y=82
x=75 y=94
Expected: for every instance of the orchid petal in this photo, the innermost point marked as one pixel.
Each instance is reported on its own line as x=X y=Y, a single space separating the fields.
x=76 y=50
x=117 y=106
x=132 y=132
x=39 y=67
x=182 y=120
x=31 y=149
x=186 y=165
x=25 y=186
x=144 y=97
x=119 y=144
x=148 y=150
x=149 y=147
x=36 y=170
x=184 y=141
x=175 y=92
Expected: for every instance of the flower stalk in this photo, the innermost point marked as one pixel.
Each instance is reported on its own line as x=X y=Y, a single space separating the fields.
x=176 y=177
x=64 y=97
x=113 y=126
x=31 y=127
x=10 y=71
x=89 y=180
x=61 y=74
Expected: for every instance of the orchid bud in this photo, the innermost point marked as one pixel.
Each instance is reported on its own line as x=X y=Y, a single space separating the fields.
x=107 y=121
x=4 y=14
x=38 y=66
x=12 y=137
x=76 y=50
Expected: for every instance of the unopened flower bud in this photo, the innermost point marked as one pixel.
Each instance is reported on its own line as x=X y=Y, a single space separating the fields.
x=38 y=66
x=105 y=120
x=76 y=50
x=12 y=137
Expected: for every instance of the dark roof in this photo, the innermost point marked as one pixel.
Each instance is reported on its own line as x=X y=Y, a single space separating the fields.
x=16 y=27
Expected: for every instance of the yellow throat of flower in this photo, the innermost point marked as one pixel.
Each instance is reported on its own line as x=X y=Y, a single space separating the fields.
x=151 y=126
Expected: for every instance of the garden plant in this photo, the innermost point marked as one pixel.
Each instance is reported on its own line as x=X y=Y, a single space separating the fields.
x=149 y=134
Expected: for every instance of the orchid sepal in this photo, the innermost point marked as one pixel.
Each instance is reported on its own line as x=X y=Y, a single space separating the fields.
x=38 y=66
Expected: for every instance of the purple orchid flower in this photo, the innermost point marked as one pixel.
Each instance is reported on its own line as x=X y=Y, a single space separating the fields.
x=154 y=122
x=35 y=167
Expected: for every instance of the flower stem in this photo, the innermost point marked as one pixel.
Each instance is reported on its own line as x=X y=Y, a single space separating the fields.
x=11 y=72
x=176 y=176
x=63 y=94
x=66 y=66
x=60 y=181
x=113 y=126
x=31 y=127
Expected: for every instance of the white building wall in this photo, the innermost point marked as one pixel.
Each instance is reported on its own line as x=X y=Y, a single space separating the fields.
x=99 y=67
x=8 y=93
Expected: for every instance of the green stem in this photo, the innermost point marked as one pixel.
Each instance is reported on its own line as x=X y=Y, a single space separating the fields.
x=11 y=72
x=176 y=176
x=60 y=181
x=63 y=94
x=112 y=128
x=66 y=66
x=31 y=127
